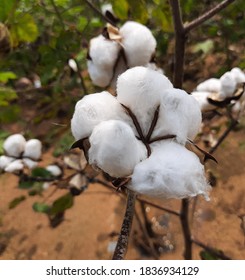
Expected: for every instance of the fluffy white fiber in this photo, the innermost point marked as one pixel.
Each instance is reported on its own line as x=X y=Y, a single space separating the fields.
x=228 y=85
x=33 y=149
x=201 y=98
x=141 y=89
x=14 y=145
x=54 y=170
x=115 y=149
x=29 y=163
x=138 y=43
x=171 y=171
x=210 y=85
x=5 y=161
x=14 y=166
x=93 y=109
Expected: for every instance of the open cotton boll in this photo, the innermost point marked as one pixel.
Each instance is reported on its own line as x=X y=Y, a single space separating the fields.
x=93 y=109
x=115 y=149
x=228 y=85
x=239 y=75
x=14 y=166
x=140 y=89
x=14 y=145
x=54 y=170
x=5 y=161
x=179 y=115
x=210 y=85
x=201 y=98
x=171 y=171
x=29 y=163
x=100 y=76
x=138 y=42
x=33 y=149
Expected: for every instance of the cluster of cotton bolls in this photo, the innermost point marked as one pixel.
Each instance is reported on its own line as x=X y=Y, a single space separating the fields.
x=141 y=134
x=118 y=49
x=220 y=89
x=19 y=153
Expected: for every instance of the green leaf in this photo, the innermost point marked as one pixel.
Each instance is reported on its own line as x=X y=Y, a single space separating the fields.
x=82 y=22
x=24 y=29
x=163 y=18
x=61 y=204
x=139 y=11
x=6 y=95
x=206 y=255
x=40 y=207
x=41 y=172
x=26 y=184
x=3 y=136
x=63 y=145
x=9 y=114
x=5 y=8
x=16 y=201
x=5 y=76
x=205 y=46
x=120 y=7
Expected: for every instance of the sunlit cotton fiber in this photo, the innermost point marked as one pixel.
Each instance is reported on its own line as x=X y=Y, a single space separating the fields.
x=14 y=166
x=5 y=161
x=239 y=75
x=115 y=149
x=54 y=170
x=171 y=171
x=228 y=85
x=33 y=149
x=210 y=85
x=14 y=145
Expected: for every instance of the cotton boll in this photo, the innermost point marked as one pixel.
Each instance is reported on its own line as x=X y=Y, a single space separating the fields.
x=179 y=115
x=33 y=149
x=239 y=75
x=171 y=171
x=140 y=89
x=210 y=85
x=5 y=161
x=15 y=166
x=138 y=43
x=93 y=109
x=115 y=149
x=29 y=163
x=202 y=99
x=228 y=85
x=14 y=145
x=54 y=170
x=100 y=76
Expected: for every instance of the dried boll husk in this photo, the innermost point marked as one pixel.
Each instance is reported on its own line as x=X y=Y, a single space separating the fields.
x=33 y=149
x=138 y=42
x=14 y=145
x=141 y=89
x=15 y=166
x=115 y=149
x=171 y=171
x=93 y=109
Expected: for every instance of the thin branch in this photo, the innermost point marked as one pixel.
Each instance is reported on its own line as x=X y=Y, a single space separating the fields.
x=213 y=251
x=213 y=11
x=122 y=243
x=79 y=72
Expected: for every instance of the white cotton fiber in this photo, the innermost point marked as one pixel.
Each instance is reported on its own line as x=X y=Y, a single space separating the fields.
x=179 y=114
x=29 y=163
x=138 y=42
x=14 y=145
x=201 y=98
x=54 y=170
x=228 y=85
x=33 y=149
x=15 y=166
x=93 y=109
x=115 y=149
x=239 y=75
x=140 y=89
x=5 y=161
x=210 y=85
x=103 y=54
x=171 y=171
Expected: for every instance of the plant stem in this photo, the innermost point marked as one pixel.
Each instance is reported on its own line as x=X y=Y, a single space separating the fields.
x=122 y=243
x=184 y=219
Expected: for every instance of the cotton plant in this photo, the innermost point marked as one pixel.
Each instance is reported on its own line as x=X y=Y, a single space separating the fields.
x=117 y=49
x=20 y=153
x=214 y=92
x=141 y=134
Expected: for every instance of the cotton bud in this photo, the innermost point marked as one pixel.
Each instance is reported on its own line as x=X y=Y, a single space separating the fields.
x=93 y=109
x=140 y=89
x=29 y=163
x=54 y=169
x=239 y=75
x=171 y=171
x=210 y=85
x=33 y=149
x=228 y=85
x=14 y=166
x=103 y=54
x=138 y=42
x=179 y=115
x=5 y=161
x=115 y=149
x=14 y=145
x=202 y=99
